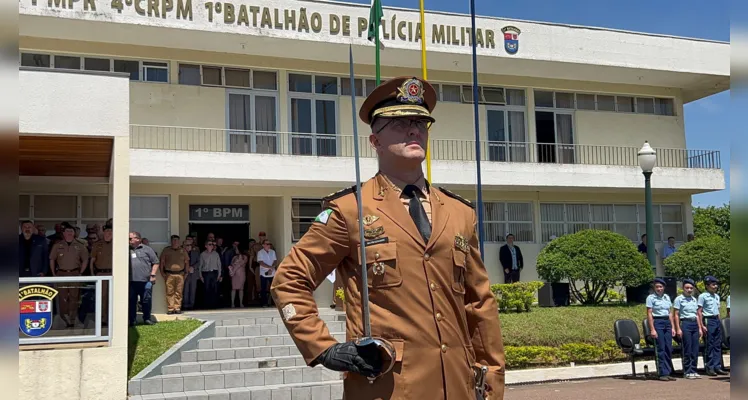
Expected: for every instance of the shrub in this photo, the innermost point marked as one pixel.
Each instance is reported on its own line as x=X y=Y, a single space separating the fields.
x=517 y=296
x=592 y=261
x=704 y=256
x=340 y=293
x=518 y=357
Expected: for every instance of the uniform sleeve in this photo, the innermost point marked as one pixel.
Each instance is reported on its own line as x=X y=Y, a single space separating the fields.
x=315 y=256
x=650 y=302
x=677 y=304
x=701 y=300
x=482 y=314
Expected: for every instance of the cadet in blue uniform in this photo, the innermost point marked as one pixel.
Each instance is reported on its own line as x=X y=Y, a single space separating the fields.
x=663 y=330
x=689 y=330
x=712 y=328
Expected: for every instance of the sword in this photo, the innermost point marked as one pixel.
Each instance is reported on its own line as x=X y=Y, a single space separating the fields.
x=480 y=382
x=365 y=343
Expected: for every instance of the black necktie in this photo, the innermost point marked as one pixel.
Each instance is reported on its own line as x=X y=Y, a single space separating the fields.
x=417 y=212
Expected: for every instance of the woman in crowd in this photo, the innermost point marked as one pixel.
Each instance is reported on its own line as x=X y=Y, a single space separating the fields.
x=689 y=330
x=238 y=273
x=662 y=328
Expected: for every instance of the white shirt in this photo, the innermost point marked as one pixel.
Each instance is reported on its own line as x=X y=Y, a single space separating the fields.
x=268 y=257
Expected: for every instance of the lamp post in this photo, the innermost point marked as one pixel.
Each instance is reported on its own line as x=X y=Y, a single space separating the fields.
x=647 y=160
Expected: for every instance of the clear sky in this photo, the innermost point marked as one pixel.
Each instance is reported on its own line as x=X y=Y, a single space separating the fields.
x=706 y=120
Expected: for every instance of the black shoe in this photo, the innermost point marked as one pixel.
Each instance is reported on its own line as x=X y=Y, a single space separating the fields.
x=148 y=322
x=665 y=378
x=720 y=371
x=178 y=312
x=169 y=312
x=711 y=373
x=670 y=378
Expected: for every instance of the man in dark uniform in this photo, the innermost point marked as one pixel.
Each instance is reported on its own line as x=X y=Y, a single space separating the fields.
x=68 y=257
x=101 y=265
x=429 y=291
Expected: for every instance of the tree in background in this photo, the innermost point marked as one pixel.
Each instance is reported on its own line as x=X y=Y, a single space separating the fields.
x=593 y=261
x=708 y=221
x=706 y=255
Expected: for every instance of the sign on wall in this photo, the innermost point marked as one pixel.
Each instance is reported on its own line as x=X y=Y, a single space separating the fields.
x=35 y=309
x=219 y=213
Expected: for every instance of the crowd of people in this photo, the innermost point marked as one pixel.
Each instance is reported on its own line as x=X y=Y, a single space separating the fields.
x=202 y=276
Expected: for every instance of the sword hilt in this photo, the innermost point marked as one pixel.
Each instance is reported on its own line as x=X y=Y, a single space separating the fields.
x=480 y=381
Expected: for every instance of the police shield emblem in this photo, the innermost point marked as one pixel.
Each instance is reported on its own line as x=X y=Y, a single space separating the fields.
x=511 y=39
x=35 y=309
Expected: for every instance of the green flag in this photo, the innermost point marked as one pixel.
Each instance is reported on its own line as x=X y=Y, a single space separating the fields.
x=375 y=19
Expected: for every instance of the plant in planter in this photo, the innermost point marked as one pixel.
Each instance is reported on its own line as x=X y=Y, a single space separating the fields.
x=340 y=293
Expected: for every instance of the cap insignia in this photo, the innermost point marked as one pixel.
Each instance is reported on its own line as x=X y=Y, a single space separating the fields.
x=411 y=91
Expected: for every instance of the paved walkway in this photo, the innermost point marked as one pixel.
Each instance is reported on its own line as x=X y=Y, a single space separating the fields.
x=716 y=388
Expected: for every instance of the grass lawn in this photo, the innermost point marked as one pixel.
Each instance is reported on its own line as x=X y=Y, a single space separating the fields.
x=146 y=343
x=554 y=326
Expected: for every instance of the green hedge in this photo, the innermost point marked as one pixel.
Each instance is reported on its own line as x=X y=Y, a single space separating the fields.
x=578 y=353
x=517 y=296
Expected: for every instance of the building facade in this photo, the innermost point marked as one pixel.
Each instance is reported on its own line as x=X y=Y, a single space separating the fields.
x=239 y=118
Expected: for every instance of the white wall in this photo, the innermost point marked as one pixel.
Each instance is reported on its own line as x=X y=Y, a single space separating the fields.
x=75 y=103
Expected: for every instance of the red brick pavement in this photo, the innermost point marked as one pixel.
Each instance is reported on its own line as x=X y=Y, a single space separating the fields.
x=712 y=388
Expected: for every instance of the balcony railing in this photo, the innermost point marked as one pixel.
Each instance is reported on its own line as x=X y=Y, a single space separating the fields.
x=331 y=145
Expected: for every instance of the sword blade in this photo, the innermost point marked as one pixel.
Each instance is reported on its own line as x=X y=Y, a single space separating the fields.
x=364 y=276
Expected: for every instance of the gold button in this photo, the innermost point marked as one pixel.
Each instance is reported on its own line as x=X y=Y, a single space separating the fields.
x=433 y=286
x=444 y=348
x=376 y=256
x=427 y=256
x=438 y=316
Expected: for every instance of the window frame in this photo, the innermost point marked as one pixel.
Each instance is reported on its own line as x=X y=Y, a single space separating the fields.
x=507 y=222
x=166 y=240
x=313 y=97
x=78 y=220
x=298 y=219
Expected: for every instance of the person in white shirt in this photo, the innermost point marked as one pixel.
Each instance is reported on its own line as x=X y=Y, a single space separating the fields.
x=268 y=264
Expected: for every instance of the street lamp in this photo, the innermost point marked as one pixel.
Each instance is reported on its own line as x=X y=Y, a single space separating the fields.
x=647 y=161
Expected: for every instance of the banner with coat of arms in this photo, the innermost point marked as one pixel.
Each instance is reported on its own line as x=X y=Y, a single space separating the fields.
x=35 y=309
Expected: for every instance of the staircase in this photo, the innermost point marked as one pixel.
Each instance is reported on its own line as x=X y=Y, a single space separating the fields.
x=251 y=357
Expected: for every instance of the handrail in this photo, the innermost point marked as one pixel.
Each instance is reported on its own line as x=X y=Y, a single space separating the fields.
x=443 y=149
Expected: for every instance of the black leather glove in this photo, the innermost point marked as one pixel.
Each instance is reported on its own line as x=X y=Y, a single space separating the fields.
x=346 y=356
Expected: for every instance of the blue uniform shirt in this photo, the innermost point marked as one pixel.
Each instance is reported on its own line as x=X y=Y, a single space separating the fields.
x=660 y=305
x=686 y=306
x=710 y=303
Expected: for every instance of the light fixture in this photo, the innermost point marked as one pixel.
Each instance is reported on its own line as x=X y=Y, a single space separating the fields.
x=647 y=158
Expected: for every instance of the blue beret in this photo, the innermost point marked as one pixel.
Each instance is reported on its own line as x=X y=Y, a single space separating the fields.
x=659 y=280
x=689 y=281
x=710 y=279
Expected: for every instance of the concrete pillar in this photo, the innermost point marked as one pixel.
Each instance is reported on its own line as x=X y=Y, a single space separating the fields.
x=120 y=206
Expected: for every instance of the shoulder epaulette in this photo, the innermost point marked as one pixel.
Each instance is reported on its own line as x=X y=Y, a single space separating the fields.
x=340 y=193
x=457 y=197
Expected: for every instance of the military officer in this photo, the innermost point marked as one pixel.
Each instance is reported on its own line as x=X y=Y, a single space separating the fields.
x=689 y=330
x=174 y=263
x=68 y=257
x=428 y=288
x=101 y=265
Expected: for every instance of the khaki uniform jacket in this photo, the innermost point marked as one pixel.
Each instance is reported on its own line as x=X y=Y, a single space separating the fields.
x=433 y=301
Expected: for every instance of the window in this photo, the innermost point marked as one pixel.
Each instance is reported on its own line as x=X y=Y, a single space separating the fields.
x=67 y=62
x=451 y=93
x=345 y=86
x=52 y=209
x=237 y=77
x=155 y=71
x=189 y=74
x=128 y=66
x=564 y=100
x=149 y=215
x=664 y=107
x=314 y=116
x=543 y=99
x=97 y=64
x=585 y=101
x=303 y=214
x=267 y=80
x=371 y=84
x=212 y=76
x=627 y=219
x=625 y=104
x=645 y=105
x=36 y=60
x=502 y=219
x=606 y=103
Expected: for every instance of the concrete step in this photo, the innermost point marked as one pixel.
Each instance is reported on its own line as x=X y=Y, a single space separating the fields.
x=239 y=352
x=273 y=320
x=266 y=329
x=229 y=365
x=252 y=341
x=332 y=390
x=236 y=379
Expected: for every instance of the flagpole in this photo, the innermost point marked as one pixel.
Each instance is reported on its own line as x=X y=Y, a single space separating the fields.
x=477 y=127
x=376 y=60
x=424 y=72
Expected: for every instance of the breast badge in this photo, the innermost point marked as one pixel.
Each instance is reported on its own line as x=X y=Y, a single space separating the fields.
x=378 y=268
x=372 y=233
x=461 y=243
x=370 y=219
